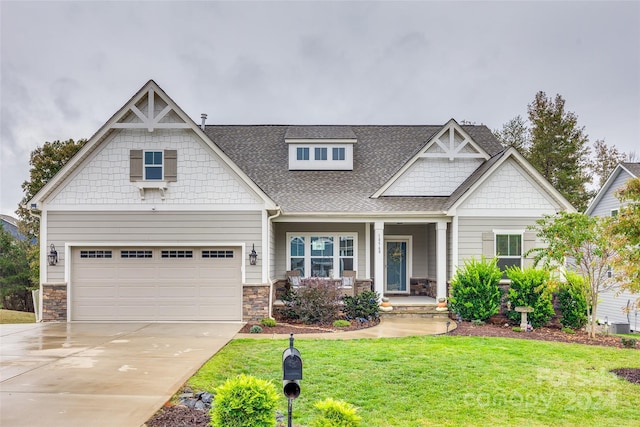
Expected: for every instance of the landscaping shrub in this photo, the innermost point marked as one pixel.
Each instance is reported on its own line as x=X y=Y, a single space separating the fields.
x=245 y=401
x=628 y=342
x=340 y=323
x=530 y=288
x=572 y=301
x=335 y=413
x=475 y=294
x=318 y=301
x=361 y=306
x=268 y=322
x=255 y=329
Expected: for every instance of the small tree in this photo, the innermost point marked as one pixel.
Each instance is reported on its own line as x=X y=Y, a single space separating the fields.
x=15 y=283
x=584 y=244
x=625 y=235
x=475 y=294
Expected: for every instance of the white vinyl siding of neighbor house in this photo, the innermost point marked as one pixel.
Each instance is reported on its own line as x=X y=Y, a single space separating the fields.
x=476 y=236
x=610 y=308
x=609 y=201
x=142 y=228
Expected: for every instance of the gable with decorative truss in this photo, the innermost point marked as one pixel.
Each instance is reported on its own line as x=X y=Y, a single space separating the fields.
x=151 y=112
x=444 y=163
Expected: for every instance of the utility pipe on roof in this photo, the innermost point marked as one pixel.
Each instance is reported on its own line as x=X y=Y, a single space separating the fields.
x=269 y=219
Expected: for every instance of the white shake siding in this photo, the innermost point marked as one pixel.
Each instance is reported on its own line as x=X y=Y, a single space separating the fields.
x=183 y=228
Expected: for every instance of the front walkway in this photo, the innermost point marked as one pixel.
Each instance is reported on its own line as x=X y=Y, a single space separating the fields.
x=387 y=328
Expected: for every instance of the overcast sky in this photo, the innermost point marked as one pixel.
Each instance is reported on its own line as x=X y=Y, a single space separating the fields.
x=66 y=67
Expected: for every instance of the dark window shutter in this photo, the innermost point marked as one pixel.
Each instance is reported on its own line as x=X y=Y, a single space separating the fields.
x=487 y=245
x=135 y=165
x=171 y=165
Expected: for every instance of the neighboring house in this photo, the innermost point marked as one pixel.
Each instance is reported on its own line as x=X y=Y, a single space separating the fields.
x=10 y=225
x=155 y=217
x=616 y=307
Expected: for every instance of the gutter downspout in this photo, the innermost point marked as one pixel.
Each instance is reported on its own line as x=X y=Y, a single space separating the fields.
x=269 y=220
x=38 y=310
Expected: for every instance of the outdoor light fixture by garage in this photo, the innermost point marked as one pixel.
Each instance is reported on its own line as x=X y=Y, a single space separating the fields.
x=253 y=256
x=53 y=255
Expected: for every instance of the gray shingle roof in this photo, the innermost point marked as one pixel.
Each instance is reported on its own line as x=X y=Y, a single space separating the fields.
x=634 y=168
x=261 y=152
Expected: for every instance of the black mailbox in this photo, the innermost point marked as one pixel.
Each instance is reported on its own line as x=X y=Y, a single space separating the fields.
x=291 y=371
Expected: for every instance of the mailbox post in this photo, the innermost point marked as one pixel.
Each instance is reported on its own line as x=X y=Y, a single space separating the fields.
x=291 y=375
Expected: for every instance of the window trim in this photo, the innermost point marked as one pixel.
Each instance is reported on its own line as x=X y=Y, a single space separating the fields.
x=155 y=166
x=520 y=233
x=336 y=257
x=614 y=212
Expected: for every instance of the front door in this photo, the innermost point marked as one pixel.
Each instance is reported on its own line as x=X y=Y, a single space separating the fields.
x=396 y=262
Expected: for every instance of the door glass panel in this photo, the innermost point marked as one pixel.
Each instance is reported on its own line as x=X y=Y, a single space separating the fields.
x=396 y=266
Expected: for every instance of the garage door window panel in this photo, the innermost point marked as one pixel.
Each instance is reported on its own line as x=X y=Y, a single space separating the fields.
x=136 y=254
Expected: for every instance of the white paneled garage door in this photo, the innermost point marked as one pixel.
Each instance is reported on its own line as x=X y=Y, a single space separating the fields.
x=156 y=284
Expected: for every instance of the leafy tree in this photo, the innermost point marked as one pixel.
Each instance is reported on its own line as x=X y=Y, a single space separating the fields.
x=45 y=162
x=605 y=160
x=514 y=133
x=625 y=235
x=559 y=149
x=584 y=243
x=14 y=273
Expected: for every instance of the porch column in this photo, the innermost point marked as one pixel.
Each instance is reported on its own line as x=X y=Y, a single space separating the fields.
x=378 y=282
x=441 y=259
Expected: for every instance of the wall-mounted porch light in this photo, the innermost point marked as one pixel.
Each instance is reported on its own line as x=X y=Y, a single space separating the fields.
x=253 y=256
x=53 y=255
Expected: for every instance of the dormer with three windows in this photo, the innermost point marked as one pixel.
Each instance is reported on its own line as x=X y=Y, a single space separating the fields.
x=320 y=147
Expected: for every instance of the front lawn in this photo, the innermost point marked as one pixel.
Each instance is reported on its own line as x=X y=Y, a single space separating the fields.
x=445 y=380
x=11 y=316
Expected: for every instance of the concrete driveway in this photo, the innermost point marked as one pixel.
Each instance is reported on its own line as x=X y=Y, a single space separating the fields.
x=95 y=374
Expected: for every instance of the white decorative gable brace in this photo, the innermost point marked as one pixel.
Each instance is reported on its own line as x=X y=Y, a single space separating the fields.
x=151 y=112
x=453 y=142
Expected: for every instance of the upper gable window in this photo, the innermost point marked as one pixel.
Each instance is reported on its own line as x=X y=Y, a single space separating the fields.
x=153 y=165
x=338 y=153
x=318 y=156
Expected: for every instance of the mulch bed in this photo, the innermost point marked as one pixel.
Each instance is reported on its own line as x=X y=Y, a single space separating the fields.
x=181 y=416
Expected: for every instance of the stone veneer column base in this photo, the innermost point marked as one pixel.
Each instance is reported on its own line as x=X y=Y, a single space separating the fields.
x=54 y=302
x=255 y=302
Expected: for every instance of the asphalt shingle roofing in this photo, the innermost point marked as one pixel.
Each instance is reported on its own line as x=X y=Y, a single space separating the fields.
x=380 y=151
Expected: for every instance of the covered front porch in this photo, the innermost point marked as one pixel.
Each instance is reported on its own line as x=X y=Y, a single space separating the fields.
x=399 y=257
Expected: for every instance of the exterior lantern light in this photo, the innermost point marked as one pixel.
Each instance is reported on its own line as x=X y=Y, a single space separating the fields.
x=253 y=256
x=53 y=255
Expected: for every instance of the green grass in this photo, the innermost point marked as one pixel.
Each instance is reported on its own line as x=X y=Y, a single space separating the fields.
x=10 y=316
x=445 y=381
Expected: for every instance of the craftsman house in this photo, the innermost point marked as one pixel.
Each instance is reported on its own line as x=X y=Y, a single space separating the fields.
x=616 y=306
x=158 y=218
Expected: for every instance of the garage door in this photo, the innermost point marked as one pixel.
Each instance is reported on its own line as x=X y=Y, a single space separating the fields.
x=156 y=284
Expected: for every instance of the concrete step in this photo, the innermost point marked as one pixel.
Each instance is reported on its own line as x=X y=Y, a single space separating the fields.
x=415 y=310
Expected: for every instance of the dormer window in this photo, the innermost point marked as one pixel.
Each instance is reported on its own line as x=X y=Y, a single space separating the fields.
x=302 y=153
x=320 y=147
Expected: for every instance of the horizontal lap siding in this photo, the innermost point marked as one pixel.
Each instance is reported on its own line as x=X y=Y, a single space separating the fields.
x=140 y=227
x=609 y=200
x=470 y=231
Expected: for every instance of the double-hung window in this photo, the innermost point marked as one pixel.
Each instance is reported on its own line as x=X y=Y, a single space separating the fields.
x=321 y=255
x=509 y=250
x=153 y=165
